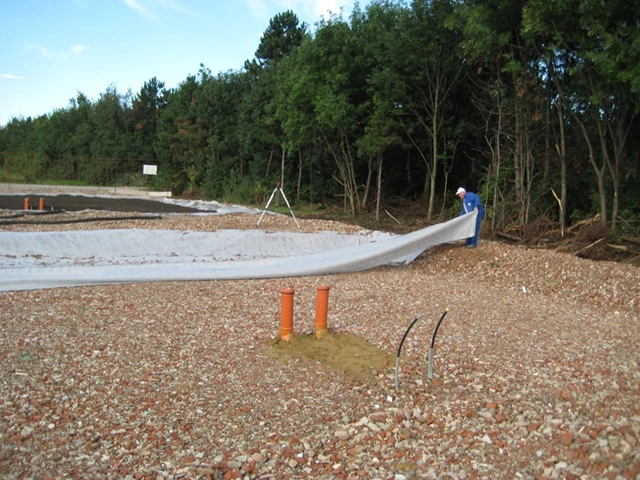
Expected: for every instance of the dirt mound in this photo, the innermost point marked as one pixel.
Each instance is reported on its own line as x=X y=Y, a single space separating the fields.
x=343 y=352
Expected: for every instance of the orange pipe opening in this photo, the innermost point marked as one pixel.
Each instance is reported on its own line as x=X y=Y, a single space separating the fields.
x=322 y=303
x=27 y=203
x=286 y=316
x=41 y=205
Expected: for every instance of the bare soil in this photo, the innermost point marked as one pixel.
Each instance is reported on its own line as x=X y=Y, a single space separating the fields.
x=340 y=352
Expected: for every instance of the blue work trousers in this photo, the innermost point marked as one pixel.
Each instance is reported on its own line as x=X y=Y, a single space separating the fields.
x=474 y=240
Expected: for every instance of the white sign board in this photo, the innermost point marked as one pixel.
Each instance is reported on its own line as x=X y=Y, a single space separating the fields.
x=149 y=169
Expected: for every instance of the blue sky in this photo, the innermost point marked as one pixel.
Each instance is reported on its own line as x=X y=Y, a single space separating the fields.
x=53 y=49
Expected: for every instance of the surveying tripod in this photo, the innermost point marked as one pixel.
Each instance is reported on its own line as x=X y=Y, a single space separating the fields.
x=278 y=190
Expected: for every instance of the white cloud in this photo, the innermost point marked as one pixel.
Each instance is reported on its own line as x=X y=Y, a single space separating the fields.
x=78 y=49
x=316 y=9
x=175 y=5
x=324 y=8
x=40 y=49
x=148 y=8
x=8 y=76
x=46 y=53
x=135 y=5
x=259 y=8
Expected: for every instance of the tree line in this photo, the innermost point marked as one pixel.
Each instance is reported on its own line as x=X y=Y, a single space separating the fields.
x=531 y=103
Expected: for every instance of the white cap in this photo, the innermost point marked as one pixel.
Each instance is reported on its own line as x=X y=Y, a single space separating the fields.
x=460 y=190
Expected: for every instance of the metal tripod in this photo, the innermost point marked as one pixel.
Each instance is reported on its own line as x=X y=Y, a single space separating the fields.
x=276 y=190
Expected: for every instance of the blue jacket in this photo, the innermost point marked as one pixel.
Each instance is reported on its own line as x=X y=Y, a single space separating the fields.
x=471 y=201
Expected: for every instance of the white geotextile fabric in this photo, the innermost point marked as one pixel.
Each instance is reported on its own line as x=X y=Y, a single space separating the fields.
x=63 y=259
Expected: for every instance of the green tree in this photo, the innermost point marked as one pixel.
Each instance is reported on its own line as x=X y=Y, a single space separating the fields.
x=337 y=79
x=598 y=45
x=295 y=112
x=22 y=153
x=281 y=38
x=506 y=91
x=181 y=140
x=264 y=138
x=432 y=66
x=218 y=107
x=378 y=30
x=147 y=107
x=111 y=126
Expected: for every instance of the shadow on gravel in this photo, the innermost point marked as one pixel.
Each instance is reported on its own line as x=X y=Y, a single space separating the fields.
x=74 y=203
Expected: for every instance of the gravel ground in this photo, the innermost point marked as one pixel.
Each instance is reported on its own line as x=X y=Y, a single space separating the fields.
x=535 y=371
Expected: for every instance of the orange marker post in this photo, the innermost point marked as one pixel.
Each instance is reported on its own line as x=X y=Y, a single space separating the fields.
x=41 y=206
x=322 y=303
x=27 y=203
x=286 y=316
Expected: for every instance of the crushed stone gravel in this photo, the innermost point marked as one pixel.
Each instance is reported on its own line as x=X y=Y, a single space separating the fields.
x=535 y=371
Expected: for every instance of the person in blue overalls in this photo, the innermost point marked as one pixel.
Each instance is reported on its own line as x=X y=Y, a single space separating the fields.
x=471 y=202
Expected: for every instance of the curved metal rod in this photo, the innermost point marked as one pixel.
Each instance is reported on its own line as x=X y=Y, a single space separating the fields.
x=402 y=342
x=433 y=341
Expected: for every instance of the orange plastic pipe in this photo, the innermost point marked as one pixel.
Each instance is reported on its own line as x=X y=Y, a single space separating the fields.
x=27 y=203
x=286 y=316
x=41 y=206
x=322 y=303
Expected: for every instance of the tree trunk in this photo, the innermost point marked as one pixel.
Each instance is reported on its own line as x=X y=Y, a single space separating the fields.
x=434 y=157
x=299 y=185
x=619 y=133
x=518 y=162
x=269 y=163
x=563 y=166
x=344 y=164
x=562 y=147
x=599 y=171
x=497 y=162
x=379 y=187
x=367 y=188
x=282 y=167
